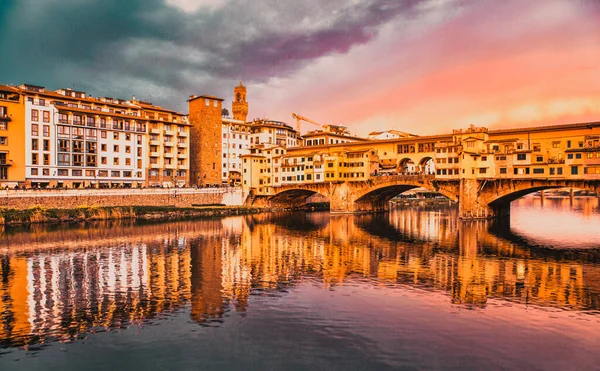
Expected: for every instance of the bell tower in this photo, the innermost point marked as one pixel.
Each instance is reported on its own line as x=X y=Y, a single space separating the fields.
x=239 y=106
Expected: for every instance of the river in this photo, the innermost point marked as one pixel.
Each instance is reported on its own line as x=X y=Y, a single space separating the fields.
x=414 y=288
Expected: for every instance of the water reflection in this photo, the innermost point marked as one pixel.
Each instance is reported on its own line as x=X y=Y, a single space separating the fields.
x=59 y=284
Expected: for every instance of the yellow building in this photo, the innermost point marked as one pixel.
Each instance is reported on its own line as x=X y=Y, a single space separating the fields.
x=12 y=137
x=168 y=147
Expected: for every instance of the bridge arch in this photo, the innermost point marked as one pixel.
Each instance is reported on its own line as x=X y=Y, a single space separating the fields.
x=499 y=197
x=294 y=197
x=378 y=196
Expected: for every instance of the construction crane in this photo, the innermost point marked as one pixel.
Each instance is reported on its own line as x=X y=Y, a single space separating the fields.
x=302 y=118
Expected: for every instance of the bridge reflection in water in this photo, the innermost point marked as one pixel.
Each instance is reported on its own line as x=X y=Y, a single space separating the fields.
x=60 y=284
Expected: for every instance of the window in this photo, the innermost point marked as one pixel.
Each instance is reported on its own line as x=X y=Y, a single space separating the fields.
x=578 y=155
x=46 y=130
x=63 y=130
x=115 y=148
x=34 y=158
x=568 y=144
x=502 y=170
x=3 y=140
x=46 y=116
x=116 y=136
x=35 y=115
x=46 y=144
x=539 y=158
x=570 y=156
x=115 y=174
x=115 y=161
x=63 y=172
x=35 y=129
x=34 y=144
x=34 y=171
x=46 y=159
x=521 y=156
x=574 y=170
x=559 y=170
x=555 y=144
x=538 y=171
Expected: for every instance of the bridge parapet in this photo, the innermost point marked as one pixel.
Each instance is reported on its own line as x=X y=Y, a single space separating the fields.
x=477 y=199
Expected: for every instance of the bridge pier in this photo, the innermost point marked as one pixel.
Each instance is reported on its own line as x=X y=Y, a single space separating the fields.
x=472 y=206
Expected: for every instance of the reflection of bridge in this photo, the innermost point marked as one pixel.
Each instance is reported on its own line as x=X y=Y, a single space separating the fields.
x=58 y=283
x=476 y=198
x=484 y=170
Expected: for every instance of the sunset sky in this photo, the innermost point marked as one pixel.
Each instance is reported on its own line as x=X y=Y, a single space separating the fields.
x=423 y=66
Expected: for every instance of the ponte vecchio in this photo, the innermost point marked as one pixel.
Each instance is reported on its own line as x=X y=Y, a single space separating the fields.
x=483 y=170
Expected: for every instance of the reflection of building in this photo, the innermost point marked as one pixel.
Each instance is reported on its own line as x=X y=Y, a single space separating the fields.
x=206 y=260
x=118 y=274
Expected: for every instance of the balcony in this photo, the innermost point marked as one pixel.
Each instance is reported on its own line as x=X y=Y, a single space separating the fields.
x=169 y=144
x=155 y=166
x=170 y=166
x=182 y=133
x=5 y=117
x=154 y=154
x=5 y=163
x=170 y=155
x=154 y=131
x=155 y=142
x=182 y=145
x=169 y=132
x=182 y=155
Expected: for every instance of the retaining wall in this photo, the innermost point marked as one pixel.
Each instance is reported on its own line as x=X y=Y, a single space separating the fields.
x=72 y=198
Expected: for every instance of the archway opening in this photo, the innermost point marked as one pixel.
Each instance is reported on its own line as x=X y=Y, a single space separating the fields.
x=299 y=199
x=381 y=198
x=406 y=166
x=427 y=166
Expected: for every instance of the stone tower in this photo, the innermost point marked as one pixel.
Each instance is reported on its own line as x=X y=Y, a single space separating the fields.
x=239 y=106
x=205 y=140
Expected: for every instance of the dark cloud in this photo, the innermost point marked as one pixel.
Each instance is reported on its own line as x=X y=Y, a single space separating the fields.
x=148 y=48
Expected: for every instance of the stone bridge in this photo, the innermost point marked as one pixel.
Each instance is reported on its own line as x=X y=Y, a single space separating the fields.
x=477 y=198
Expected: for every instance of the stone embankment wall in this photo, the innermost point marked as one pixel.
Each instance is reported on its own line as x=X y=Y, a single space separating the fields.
x=73 y=198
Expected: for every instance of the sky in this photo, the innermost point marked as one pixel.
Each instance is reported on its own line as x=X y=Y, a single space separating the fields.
x=421 y=66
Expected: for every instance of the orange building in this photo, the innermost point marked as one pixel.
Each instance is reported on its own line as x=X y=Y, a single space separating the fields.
x=205 y=114
x=12 y=137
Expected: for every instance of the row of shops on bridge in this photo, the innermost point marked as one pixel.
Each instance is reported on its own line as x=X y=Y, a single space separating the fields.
x=569 y=152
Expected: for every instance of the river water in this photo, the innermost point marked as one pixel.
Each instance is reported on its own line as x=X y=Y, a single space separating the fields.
x=410 y=289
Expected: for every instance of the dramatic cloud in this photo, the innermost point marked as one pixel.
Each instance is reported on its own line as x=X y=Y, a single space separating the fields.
x=169 y=49
x=417 y=65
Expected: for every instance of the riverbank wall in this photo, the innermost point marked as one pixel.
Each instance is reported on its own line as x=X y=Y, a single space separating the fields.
x=73 y=205
x=39 y=214
x=76 y=198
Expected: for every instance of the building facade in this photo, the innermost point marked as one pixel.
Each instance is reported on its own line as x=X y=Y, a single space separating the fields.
x=74 y=140
x=12 y=137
